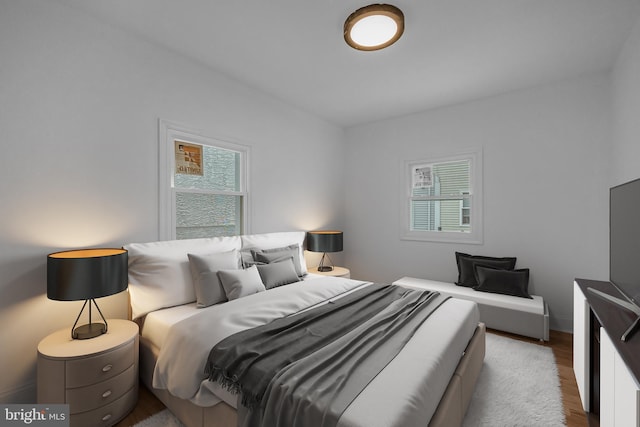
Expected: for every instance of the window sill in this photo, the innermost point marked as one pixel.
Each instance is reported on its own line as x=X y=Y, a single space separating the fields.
x=443 y=237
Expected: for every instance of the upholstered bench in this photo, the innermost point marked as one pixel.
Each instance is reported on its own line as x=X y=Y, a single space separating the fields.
x=522 y=316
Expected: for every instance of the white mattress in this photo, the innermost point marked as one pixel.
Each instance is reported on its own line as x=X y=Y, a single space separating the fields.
x=410 y=386
x=157 y=323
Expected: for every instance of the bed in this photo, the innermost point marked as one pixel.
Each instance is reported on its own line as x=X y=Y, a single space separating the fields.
x=430 y=380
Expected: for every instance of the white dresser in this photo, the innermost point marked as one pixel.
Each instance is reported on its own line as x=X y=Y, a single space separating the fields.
x=607 y=385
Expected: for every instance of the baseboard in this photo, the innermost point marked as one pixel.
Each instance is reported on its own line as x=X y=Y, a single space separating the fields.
x=562 y=323
x=25 y=393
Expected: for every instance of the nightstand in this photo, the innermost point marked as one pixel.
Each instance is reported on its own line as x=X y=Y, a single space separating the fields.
x=336 y=272
x=97 y=377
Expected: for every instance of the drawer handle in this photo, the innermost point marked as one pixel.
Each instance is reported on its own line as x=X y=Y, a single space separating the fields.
x=107 y=368
x=106 y=394
x=106 y=417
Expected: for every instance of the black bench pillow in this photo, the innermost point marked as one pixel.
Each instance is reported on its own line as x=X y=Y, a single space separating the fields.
x=506 y=282
x=466 y=264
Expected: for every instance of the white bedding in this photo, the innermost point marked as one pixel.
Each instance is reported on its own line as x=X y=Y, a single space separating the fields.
x=157 y=323
x=407 y=390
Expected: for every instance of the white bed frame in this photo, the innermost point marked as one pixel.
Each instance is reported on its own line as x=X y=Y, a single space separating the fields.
x=450 y=411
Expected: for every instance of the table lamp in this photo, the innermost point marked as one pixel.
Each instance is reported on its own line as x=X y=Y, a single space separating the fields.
x=86 y=274
x=324 y=241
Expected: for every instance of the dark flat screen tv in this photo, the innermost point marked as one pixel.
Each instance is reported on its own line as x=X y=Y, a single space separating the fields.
x=624 y=239
x=624 y=249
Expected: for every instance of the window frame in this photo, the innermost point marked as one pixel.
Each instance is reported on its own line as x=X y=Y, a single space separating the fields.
x=170 y=132
x=475 y=236
x=462 y=209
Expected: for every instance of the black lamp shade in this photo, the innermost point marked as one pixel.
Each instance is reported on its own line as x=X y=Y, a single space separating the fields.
x=324 y=241
x=86 y=274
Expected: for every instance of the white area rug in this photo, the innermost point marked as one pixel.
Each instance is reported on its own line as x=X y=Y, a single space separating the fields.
x=518 y=387
x=163 y=418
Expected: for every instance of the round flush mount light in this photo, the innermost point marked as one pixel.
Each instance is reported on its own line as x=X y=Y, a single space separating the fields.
x=374 y=27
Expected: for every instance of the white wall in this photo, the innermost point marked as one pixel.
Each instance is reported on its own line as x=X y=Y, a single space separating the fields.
x=545 y=187
x=625 y=164
x=79 y=109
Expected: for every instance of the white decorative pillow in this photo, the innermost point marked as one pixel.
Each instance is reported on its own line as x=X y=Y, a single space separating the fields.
x=204 y=271
x=240 y=283
x=159 y=274
x=275 y=240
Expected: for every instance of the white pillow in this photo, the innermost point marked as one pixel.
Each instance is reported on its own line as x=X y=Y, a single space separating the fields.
x=240 y=283
x=159 y=274
x=276 y=240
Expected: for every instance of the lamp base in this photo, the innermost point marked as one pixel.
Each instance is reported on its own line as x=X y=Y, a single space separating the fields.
x=90 y=330
x=322 y=267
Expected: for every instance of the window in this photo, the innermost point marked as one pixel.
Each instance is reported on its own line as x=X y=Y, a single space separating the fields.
x=203 y=185
x=442 y=199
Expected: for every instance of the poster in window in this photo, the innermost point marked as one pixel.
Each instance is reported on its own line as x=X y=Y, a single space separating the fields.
x=188 y=158
x=422 y=177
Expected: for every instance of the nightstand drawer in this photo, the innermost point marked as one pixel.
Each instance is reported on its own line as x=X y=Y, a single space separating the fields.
x=106 y=415
x=90 y=370
x=86 y=398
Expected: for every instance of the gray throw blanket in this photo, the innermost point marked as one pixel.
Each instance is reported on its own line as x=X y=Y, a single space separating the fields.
x=246 y=361
x=307 y=368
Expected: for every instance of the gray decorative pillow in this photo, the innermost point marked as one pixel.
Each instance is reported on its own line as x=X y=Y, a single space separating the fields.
x=247 y=258
x=278 y=254
x=278 y=273
x=240 y=283
x=204 y=271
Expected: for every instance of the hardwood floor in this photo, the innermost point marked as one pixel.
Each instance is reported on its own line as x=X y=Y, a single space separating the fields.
x=560 y=342
x=147 y=405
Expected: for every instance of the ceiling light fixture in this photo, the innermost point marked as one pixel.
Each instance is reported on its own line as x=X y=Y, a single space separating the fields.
x=374 y=27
